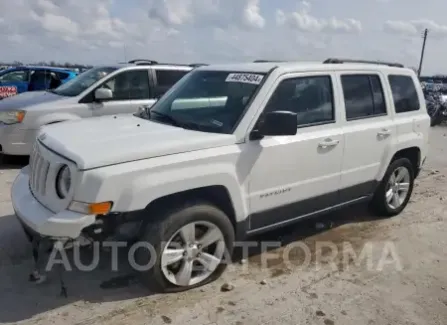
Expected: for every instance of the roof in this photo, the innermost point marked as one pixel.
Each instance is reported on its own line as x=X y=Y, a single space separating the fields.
x=162 y=66
x=35 y=67
x=286 y=67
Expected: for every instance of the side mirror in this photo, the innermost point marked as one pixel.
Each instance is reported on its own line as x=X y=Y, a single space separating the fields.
x=279 y=123
x=103 y=94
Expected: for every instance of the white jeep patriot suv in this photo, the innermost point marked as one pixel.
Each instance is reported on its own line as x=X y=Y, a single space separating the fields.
x=229 y=151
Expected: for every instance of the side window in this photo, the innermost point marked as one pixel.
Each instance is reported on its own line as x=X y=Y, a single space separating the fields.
x=128 y=85
x=39 y=80
x=166 y=79
x=405 y=96
x=310 y=97
x=15 y=76
x=62 y=75
x=363 y=96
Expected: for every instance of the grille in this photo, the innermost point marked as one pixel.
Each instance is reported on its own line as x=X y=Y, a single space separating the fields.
x=39 y=172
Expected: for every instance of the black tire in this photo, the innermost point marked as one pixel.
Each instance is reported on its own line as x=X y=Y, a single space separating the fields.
x=434 y=111
x=378 y=204
x=435 y=119
x=168 y=222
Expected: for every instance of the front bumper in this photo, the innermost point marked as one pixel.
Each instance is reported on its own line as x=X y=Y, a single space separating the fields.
x=14 y=140
x=38 y=219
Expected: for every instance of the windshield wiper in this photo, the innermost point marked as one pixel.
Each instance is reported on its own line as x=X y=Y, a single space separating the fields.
x=182 y=124
x=167 y=117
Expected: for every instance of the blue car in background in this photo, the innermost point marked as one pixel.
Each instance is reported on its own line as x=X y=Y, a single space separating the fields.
x=21 y=79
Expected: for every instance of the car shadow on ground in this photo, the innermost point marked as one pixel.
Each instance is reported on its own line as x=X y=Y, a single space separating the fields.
x=13 y=162
x=21 y=300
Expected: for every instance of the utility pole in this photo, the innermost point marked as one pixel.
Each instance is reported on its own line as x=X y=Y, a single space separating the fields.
x=424 y=36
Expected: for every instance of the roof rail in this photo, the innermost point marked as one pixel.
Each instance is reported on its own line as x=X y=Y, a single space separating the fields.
x=196 y=65
x=265 y=61
x=340 y=61
x=142 y=62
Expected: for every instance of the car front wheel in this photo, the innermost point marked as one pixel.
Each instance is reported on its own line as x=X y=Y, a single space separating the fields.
x=191 y=247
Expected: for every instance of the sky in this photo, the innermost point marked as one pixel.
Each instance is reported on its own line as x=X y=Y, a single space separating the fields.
x=217 y=31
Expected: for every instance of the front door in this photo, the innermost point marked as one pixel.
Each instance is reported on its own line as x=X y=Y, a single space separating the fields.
x=369 y=132
x=14 y=82
x=130 y=90
x=293 y=176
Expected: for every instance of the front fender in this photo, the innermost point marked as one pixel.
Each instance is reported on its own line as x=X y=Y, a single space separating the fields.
x=132 y=191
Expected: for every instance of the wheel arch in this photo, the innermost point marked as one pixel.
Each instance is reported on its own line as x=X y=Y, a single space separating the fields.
x=413 y=154
x=217 y=195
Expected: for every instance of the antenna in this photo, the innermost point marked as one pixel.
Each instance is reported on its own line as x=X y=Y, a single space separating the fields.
x=125 y=52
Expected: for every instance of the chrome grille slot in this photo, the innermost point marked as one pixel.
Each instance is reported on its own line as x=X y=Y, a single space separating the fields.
x=43 y=177
x=39 y=172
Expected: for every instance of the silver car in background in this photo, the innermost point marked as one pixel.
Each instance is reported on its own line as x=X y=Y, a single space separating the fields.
x=102 y=90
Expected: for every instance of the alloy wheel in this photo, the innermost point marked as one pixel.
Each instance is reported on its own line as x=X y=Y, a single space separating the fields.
x=398 y=187
x=193 y=253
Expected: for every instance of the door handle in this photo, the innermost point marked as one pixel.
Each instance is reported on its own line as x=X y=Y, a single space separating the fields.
x=328 y=143
x=384 y=132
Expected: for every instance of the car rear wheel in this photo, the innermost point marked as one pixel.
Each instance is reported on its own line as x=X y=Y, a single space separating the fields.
x=395 y=189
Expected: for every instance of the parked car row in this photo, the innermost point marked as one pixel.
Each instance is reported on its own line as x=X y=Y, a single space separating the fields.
x=436 y=101
x=17 y=80
x=102 y=90
x=219 y=153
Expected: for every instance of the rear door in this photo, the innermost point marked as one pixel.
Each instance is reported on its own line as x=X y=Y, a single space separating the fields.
x=39 y=80
x=369 y=131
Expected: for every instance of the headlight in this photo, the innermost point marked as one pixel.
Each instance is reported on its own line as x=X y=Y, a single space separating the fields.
x=12 y=117
x=63 y=182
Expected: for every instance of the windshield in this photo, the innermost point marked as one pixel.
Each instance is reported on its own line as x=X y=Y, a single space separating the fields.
x=77 y=85
x=210 y=101
x=13 y=75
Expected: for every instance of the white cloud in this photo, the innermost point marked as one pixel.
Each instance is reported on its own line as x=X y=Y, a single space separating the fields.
x=303 y=20
x=58 y=24
x=104 y=31
x=414 y=27
x=217 y=13
x=252 y=15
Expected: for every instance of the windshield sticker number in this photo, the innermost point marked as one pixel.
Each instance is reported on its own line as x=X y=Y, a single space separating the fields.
x=248 y=78
x=7 y=91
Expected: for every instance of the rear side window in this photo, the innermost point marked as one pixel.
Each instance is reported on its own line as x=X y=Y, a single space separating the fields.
x=405 y=96
x=166 y=79
x=62 y=75
x=363 y=96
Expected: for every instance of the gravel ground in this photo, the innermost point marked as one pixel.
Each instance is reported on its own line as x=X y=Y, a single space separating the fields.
x=405 y=282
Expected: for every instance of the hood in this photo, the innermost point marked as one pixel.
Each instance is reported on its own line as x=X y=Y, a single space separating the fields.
x=108 y=140
x=28 y=99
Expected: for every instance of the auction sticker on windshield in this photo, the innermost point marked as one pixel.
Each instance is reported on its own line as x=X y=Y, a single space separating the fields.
x=249 y=78
x=7 y=91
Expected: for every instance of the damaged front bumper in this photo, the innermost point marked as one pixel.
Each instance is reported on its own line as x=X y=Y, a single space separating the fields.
x=40 y=221
x=66 y=226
